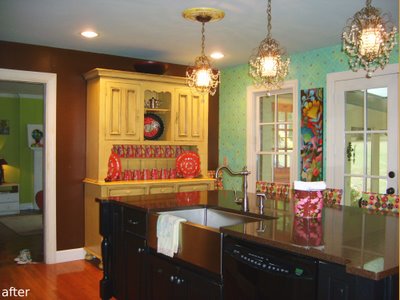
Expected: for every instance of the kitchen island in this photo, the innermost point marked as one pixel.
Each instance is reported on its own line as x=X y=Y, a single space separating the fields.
x=359 y=246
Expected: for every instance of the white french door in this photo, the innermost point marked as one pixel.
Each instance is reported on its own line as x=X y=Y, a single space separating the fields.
x=365 y=136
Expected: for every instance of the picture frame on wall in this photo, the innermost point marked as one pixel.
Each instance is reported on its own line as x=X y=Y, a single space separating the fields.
x=4 y=127
x=35 y=136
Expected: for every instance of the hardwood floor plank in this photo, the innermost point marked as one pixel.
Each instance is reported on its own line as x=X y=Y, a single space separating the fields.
x=70 y=280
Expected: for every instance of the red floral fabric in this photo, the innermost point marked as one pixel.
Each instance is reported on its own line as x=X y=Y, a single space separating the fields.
x=380 y=203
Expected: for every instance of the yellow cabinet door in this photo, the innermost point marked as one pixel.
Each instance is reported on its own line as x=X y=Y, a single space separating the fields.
x=190 y=115
x=124 y=111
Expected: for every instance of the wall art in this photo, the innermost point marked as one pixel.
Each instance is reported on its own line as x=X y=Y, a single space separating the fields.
x=4 y=127
x=311 y=134
x=35 y=136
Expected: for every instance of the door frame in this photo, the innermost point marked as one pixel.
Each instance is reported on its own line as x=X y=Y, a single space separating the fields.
x=251 y=158
x=331 y=119
x=50 y=95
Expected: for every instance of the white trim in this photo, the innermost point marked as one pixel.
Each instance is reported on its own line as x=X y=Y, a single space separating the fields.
x=252 y=94
x=50 y=82
x=332 y=121
x=70 y=255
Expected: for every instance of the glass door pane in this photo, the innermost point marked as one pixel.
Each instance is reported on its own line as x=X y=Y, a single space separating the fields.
x=274 y=137
x=363 y=135
x=366 y=141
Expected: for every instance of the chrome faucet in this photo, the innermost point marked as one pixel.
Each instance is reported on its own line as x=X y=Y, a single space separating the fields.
x=244 y=173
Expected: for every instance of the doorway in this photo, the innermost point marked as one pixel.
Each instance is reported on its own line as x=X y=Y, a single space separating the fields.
x=21 y=148
x=364 y=115
x=49 y=164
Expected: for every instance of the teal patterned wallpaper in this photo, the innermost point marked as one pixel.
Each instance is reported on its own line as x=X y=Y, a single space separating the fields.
x=309 y=68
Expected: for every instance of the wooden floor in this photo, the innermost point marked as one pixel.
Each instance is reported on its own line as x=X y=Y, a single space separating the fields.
x=72 y=280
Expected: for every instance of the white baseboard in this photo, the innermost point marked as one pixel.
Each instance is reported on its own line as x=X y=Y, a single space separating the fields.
x=25 y=206
x=70 y=255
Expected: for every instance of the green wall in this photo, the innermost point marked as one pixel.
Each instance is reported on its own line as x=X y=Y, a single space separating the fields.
x=309 y=68
x=20 y=111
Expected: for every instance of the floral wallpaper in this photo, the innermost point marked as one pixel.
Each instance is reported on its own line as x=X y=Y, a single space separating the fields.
x=309 y=68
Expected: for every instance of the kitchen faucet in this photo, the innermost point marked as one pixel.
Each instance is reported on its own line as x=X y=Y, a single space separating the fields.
x=244 y=173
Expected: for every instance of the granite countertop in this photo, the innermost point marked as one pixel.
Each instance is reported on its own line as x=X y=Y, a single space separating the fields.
x=367 y=244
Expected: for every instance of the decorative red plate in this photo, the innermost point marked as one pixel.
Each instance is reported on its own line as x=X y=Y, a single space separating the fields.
x=188 y=164
x=153 y=126
x=114 y=167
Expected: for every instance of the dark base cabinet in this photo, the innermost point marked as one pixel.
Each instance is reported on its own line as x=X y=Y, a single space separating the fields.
x=132 y=273
x=170 y=281
x=135 y=267
x=335 y=284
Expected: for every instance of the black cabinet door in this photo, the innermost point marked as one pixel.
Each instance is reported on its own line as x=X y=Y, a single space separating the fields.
x=161 y=276
x=200 y=287
x=334 y=283
x=135 y=259
x=169 y=281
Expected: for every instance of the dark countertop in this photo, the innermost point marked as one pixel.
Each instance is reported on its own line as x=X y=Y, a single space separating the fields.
x=367 y=244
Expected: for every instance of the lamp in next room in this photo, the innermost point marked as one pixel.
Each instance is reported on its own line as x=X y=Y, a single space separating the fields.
x=201 y=76
x=367 y=40
x=2 y=162
x=268 y=66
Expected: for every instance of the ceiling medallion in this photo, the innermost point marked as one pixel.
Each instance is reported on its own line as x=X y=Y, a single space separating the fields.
x=366 y=39
x=201 y=76
x=268 y=66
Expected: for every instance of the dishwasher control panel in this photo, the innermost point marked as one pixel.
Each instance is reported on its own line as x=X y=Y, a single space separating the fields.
x=260 y=262
x=265 y=262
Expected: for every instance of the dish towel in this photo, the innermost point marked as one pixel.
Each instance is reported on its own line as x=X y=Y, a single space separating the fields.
x=309 y=185
x=168 y=234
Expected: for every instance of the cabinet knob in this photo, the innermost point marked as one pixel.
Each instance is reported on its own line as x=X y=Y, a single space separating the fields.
x=140 y=250
x=179 y=280
x=172 y=278
x=133 y=222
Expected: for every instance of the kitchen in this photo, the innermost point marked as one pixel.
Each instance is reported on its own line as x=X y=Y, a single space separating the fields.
x=71 y=97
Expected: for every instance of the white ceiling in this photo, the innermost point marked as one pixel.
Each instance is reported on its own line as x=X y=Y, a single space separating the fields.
x=155 y=29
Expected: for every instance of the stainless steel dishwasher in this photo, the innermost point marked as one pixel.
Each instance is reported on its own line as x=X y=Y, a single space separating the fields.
x=251 y=272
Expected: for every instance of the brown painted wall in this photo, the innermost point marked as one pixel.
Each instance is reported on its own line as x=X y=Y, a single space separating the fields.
x=69 y=66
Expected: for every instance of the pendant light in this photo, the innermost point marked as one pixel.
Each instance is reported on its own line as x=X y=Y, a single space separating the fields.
x=201 y=76
x=366 y=39
x=268 y=66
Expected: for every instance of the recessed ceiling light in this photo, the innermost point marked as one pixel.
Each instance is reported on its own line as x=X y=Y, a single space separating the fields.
x=217 y=55
x=89 y=34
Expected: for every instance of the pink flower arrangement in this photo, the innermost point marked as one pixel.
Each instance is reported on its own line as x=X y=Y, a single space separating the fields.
x=308 y=204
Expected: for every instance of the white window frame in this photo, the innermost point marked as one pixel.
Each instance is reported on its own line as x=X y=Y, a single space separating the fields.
x=252 y=94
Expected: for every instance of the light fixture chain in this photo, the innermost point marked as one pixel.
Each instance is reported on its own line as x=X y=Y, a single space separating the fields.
x=269 y=19
x=202 y=38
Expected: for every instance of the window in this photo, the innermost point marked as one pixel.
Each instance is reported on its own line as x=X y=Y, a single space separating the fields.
x=271 y=151
x=274 y=134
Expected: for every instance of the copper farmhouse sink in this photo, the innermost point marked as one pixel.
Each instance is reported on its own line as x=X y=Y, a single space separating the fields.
x=200 y=240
